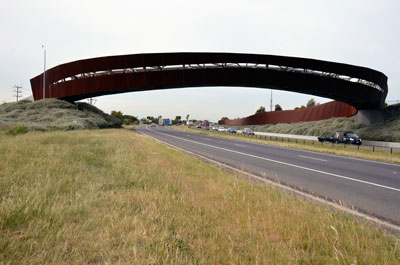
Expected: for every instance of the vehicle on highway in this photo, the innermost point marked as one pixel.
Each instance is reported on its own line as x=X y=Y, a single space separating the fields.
x=153 y=125
x=342 y=137
x=222 y=129
x=205 y=125
x=248 y=131
x=231 y=130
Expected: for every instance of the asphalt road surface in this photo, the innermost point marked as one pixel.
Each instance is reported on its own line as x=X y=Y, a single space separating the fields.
x=370 y=187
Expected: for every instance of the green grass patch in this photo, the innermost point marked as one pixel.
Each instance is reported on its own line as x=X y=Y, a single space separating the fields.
x=117 y=197
x=383 y=155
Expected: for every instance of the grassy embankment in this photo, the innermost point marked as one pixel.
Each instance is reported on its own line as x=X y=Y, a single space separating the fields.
x=348 y=150
x=54 y=114
x=388 y=131
x=116 y=197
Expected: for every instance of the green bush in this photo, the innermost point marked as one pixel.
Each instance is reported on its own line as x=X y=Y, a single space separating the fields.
x=15 y=130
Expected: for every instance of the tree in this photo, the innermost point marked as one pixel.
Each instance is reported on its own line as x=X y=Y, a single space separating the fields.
x=302 y=107
x=117 y=114
x=311 y=103
x=278 y=107
x=260 y=110
x=152 y=119
x=187 y=118
x=177 y=120
x=130 y=120
x=224 y=118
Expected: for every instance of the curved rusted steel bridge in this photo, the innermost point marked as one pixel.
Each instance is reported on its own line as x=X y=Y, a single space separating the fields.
x=361 y=87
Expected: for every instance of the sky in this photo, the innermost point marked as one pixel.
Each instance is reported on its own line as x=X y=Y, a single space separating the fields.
x=358 y=32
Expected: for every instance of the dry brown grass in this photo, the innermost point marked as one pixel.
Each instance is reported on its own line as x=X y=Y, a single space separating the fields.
x=54 y=114
x=116 y=197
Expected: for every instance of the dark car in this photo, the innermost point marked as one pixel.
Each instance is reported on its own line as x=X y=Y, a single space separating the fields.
x=248 y=131
x=343 y=138
x=352 y=138
x=231 y=130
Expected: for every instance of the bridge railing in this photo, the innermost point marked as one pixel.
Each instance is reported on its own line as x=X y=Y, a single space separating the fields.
x=141 y=69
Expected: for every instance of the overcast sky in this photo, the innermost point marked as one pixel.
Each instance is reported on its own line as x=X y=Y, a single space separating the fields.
x=358 y=32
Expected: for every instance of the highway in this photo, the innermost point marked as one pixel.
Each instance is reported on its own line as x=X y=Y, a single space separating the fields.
x=370 y=187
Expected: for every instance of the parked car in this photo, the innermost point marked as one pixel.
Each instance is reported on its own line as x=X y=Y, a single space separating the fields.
x=221 y=129
x=153 y=125
x=214 y=128
x=198 y=126
x=342 y=137
x=248 y=131
x=231 y=130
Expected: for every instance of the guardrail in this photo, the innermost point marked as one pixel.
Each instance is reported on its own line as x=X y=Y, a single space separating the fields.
x=371 y=145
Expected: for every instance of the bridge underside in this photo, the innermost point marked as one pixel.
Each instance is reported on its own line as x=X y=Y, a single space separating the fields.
x=337 y=89
x=360 y=87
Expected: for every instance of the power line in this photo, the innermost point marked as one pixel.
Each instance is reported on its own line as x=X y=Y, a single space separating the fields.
x=18 y=92
x=92 y=101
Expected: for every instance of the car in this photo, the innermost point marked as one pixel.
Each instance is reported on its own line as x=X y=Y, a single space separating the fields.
x=153 y=125
x=221 y=129
x=231 y=130
x=214 y=128
x=198 y=126
x=342 y=137
x=248 y=131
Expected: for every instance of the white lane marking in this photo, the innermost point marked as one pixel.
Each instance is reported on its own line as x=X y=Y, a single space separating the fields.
x=306 y=195
x=241 y=145
x=283 y=163
x=308 y=157
x=324 y=154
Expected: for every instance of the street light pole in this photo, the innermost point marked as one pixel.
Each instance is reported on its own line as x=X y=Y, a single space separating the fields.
x=44 y=73
x=270 y=104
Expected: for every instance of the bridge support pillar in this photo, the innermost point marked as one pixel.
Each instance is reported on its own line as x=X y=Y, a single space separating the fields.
x=369 y=116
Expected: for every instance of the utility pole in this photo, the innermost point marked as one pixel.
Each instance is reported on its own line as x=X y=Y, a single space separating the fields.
x=17 y=91
x=270 y=104
x=44 y=73
x=92 y=101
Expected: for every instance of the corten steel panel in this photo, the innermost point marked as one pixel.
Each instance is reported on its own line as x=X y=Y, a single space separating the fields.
x=325 y=111
x=359 y=95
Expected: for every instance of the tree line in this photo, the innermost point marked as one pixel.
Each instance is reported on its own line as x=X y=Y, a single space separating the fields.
x=261 y=109
x=133 y=120
x=310 y=103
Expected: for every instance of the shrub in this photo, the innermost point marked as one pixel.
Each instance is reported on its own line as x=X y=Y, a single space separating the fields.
x=19 y=129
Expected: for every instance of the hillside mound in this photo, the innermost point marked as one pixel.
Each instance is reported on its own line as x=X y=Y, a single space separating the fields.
x=50 y=114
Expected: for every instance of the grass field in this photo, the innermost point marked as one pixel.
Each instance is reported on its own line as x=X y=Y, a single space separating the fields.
x=116 y=197
x=383 y=155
